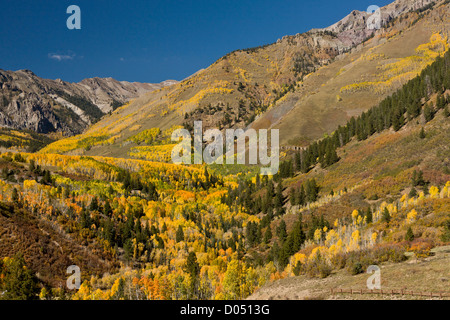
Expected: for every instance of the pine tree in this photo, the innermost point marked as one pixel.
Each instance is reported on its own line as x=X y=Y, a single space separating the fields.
x=32 y=166
x=293 y=197
x=417 y=179
x=306 y=162
x=331 y=156
x=446 y=112
x=179 y=235
x=440 y=102
x=192 y=266
x=386 y=217
x=369 y=216
x=107 y=208
x=274 y=252
x=298 y=235
x=18 y=282
x=413 y=109
x=258 y=233
x=281 y=231
x=412 y=193
x=207 y=178
x=15 y=195
x=422 y=134
x=67 y=192
x=301 y=198
x=311 y=190
x=270 y=190
x=251 y=231
x=127 y=182
x=279 y=199
x=445 y=237
x=298 y=161
x=428 y=113
x=267 y=235
x=86 y=221
x=46 y=179
x=284 y=254
x=397 y=119
x=94 y=204
x=409 y=235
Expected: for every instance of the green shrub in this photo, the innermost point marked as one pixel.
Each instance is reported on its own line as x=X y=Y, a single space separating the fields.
x=356 y=268
x=318 y=267
x=446 y=235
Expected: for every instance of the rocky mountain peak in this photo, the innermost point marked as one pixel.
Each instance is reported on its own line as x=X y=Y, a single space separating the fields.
x=43 y=105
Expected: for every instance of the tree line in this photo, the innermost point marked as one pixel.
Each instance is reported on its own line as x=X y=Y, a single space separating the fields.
x=395 y=111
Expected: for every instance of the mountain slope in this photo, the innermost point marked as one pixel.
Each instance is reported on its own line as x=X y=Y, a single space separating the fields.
x=293 y=85
x=373 y=176
x=386 y=194
x=375 y=192
x=22 y=140
x=159 y=218
x=43 y=105
x=361 y=78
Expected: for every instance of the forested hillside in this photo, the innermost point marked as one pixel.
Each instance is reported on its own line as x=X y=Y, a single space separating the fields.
x=374 y=189
x=305 y=85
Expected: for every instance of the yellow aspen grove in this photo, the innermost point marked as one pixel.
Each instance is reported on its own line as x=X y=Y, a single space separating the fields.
x=112 y=203
x=412 y=215
x=434 y=191
x=374 y=237
x=317 y=235
x=336 y=223
x=355 y=215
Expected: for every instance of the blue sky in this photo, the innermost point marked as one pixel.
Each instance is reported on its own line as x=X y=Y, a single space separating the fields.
x=150 y=40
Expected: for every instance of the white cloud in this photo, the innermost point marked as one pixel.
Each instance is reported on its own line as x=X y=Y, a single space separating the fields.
x=61 y=57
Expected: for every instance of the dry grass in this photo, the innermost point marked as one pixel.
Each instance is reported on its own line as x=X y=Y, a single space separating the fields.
x=429 y=275
x=314 y=114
